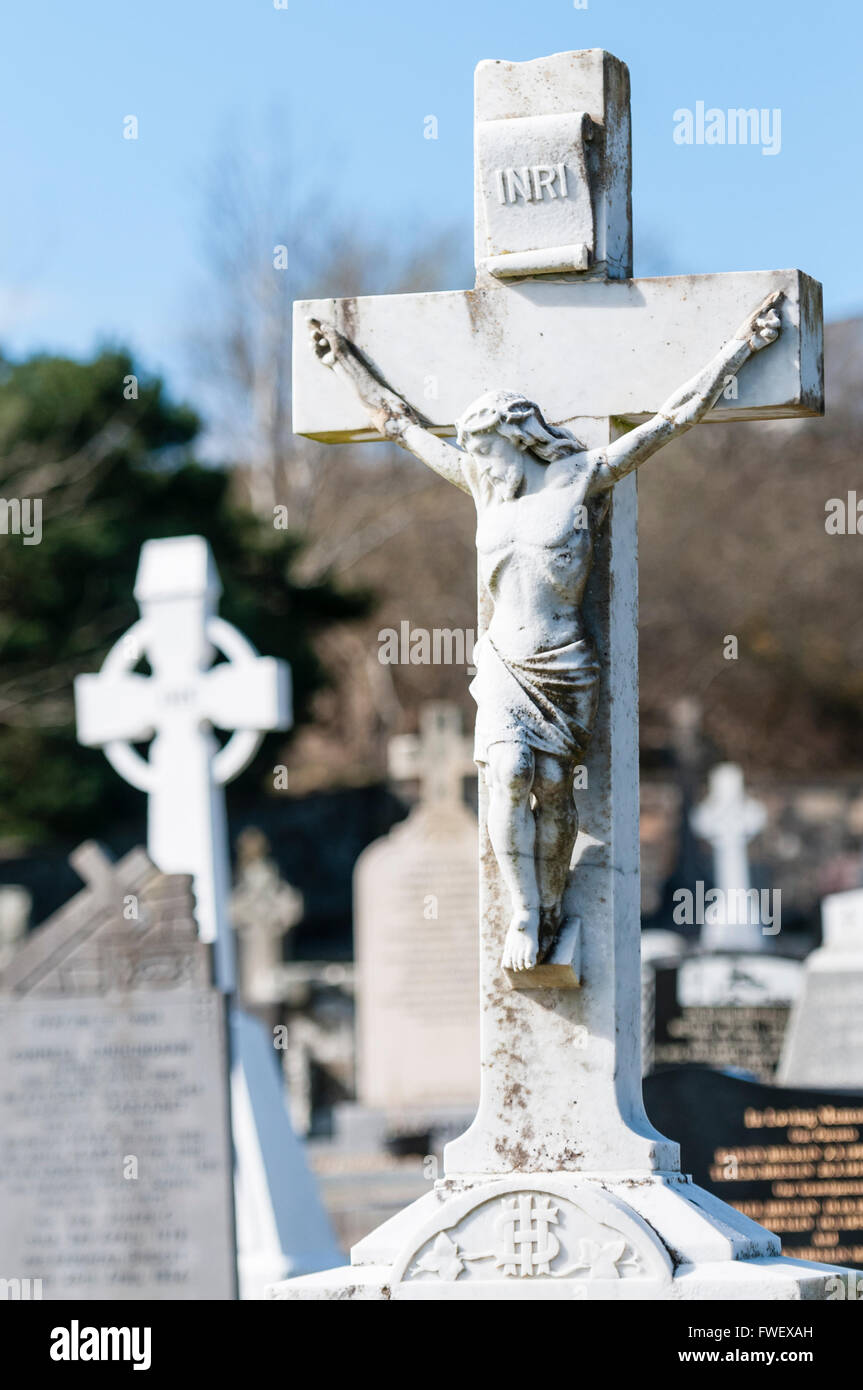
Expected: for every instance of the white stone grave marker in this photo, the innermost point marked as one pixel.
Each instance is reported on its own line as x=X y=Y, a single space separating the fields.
x=415 y=897
x=728 y=819
x=561 y=1188
x=824 y=1042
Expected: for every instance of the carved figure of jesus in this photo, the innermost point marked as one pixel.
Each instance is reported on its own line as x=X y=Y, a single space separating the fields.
x=540 y=498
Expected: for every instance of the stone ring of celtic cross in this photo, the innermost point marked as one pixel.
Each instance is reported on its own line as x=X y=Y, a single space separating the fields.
x=240 y=748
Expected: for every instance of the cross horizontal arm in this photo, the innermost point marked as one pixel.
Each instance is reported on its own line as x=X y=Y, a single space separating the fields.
x=115 y=707
x=606 y=349
x=248 y=695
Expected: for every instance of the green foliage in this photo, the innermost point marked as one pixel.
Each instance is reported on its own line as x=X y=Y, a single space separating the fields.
x=113 y=472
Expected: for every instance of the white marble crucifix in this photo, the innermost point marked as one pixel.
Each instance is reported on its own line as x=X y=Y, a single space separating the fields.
x=597 y=352
x=728 y=819
x=559 y=375
x=178 y=705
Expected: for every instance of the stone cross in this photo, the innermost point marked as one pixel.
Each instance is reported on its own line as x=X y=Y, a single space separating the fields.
x=439 y=756
x=263 y=910
x=178 y=706
x=555 y=319
x=728 y=820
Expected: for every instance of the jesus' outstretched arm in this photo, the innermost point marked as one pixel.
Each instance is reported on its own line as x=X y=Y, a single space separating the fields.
x=388 y=412
x=691 y=402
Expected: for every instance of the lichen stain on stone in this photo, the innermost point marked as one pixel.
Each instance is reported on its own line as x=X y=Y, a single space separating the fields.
x=348 y=317
x=515 y=1094
x=515 y=1155
x=484 y=323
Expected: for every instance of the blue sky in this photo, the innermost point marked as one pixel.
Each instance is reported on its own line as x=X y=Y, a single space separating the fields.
x=100 y=237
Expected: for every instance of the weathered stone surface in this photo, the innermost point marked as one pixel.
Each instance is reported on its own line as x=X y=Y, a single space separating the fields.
x=592 y=349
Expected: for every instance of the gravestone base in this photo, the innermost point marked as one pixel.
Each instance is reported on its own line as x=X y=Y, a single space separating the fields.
x=570 y=1236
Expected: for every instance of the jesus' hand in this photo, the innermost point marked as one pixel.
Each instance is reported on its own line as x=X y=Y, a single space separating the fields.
x=764 y=326
x=328 y=344
x=388 y=412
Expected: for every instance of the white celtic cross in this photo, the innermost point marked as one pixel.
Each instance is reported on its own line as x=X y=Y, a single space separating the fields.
x=178 y=706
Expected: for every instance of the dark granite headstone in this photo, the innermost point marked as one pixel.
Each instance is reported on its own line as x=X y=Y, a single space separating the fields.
x=792 y=1160
x=724 y=1010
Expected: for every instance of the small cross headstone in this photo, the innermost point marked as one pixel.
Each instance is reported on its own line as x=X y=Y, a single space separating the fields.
x=728 y=1002
x=440 y=757
x=281 y=1225
x=728 y=819
x=558 y=375
x=263 y=910
x=109 y=1003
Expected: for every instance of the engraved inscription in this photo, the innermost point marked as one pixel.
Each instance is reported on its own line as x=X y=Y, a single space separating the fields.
x=531 y=182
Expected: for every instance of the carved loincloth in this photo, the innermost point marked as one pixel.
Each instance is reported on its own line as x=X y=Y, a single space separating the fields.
x=547 y=701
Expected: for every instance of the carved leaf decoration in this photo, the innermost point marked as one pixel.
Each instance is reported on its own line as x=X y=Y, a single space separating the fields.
x=443 y=1259
x=601 y=1260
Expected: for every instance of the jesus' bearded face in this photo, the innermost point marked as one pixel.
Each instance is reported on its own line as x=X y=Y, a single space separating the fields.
x=500 y=461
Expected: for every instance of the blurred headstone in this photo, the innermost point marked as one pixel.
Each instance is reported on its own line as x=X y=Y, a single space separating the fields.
x=728 y=1011
x=416 y=915
x=658 y=948
x=115 y=1145
x=787 y=1158
x=263 y=910
x=824 y=1046
x=728 y=819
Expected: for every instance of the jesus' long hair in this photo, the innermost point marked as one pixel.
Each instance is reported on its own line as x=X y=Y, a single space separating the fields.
x=520 y=420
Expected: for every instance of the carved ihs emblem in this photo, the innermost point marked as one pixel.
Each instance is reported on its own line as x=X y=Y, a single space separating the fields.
x=529 y=1245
